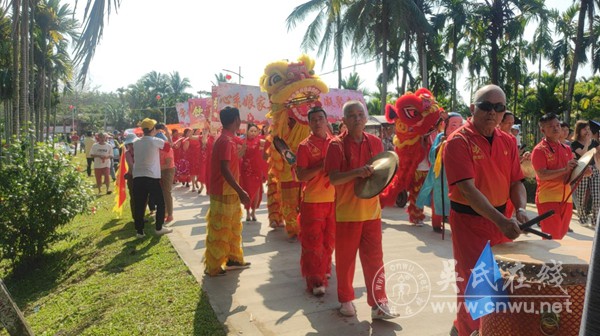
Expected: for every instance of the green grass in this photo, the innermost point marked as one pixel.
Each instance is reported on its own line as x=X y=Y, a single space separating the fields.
x=100 y=280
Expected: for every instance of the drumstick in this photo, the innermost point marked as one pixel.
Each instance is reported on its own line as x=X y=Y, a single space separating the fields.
x=538 y=233
x=536 y=220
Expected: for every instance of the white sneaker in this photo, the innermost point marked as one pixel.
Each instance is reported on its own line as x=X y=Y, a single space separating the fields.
x=348 y=309
x=140 y=235
x=383 y=312
x=319 y=291
x=163 y=231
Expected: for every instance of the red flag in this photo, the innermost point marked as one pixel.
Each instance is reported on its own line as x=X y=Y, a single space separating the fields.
x=121 y=184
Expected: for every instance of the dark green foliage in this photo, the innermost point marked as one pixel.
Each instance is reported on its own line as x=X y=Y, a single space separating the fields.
x=530 y=186
x=40 y=190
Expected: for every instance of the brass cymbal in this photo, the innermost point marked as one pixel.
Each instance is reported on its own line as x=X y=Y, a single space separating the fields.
x=582 y=164
x=384 y=166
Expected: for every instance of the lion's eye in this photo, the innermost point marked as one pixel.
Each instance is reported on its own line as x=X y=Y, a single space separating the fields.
x=274 y=79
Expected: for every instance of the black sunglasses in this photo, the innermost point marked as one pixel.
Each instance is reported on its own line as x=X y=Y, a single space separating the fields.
x=487 y=106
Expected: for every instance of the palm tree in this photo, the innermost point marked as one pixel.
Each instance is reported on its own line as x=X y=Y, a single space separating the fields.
x=55 y=24
x=541 y=46
x=23 y=71
x=221 y=78
x=352 y=82
x=6 y=86
x=500 y=14
x=16 y=80
x=563 y=50
x=372 y=24
x=93 y=23
x=456 y=12
x=328 y=19
x=178 y=85
x=546 y=94
x=579 y=53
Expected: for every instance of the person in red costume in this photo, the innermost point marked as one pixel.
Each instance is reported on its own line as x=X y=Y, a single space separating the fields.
x=175 y=136
x=182 y=165
x=553 y=162
x=252 y=170
x=192 y=152
x=317 y=208
x=483 y=171
x=224 y=227
x=358 y=221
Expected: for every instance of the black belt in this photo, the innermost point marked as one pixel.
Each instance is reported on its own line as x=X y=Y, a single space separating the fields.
x=465 y=209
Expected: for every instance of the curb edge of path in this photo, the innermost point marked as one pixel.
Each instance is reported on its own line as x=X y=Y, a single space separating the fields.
x=235 y=325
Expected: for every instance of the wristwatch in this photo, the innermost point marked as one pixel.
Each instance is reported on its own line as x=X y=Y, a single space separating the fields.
x=521 y=209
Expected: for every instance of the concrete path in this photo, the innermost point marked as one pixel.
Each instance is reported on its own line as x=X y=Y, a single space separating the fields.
x=270 y=298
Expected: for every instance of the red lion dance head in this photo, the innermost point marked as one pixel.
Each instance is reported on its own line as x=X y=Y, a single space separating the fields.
x=414 y=115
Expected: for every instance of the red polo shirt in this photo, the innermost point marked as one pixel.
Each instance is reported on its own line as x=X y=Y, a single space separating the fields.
x=346 y=154
x=469 y=155
x=551 y=156
x=311 y=153
x=225 y=149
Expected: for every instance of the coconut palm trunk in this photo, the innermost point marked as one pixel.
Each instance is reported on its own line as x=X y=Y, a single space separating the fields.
x=576 y=56
x=16 y=38
x=24 y=61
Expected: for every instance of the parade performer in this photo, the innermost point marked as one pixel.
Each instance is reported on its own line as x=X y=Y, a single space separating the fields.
x=293 y=88
x=435 y=187
x=553 y=161
x=192 y=153
x=414 y=115
x=317 y=210
x=483 y=171
x=252 y=170
x=224 y=226
x=204 y=158
x=358 y=220
x=213 y=133
x=182 y=163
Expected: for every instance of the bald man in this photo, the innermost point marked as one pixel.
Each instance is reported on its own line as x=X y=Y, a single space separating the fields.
x=483 y=171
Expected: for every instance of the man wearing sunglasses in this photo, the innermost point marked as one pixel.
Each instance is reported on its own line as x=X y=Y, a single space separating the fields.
x=483 y=171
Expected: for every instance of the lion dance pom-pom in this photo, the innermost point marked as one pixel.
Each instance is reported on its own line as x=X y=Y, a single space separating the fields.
x=413 y=114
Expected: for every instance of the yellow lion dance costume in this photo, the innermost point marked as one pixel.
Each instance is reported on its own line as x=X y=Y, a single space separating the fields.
x=293 y=89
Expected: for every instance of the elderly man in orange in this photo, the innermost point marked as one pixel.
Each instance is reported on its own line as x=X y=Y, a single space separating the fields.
x=317 y=209
x=483 y=170
x=358 y=221
x=553 y=161
x=224 y=217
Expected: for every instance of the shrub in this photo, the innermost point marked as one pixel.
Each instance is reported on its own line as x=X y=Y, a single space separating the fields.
x=40 y=190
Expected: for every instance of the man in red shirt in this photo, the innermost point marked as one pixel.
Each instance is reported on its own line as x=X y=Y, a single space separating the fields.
x=317 y=212
x=358 y=221
x=483 y=170
x=553 y=161
x=224 y=225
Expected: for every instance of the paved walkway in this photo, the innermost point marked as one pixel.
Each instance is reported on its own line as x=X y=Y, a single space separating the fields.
x=270 y=298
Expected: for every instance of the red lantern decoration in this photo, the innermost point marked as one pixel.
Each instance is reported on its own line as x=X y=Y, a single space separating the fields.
x=158 y=97
x=228 y=77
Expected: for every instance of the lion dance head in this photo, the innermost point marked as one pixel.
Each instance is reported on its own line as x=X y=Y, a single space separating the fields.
x=414 y=115
x=293 y=89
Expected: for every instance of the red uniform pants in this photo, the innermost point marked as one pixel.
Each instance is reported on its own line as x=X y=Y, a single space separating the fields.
x=364 y=237
x=558 y=224
x=469 y=235
x=317 y=236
